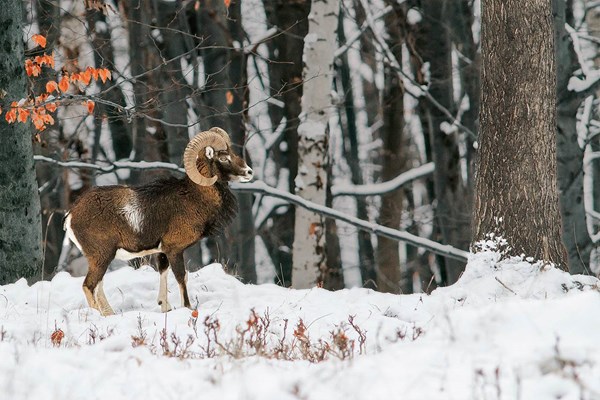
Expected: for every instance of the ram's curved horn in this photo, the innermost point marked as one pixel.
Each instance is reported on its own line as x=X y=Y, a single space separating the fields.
x=221 y=133
x=195 y=149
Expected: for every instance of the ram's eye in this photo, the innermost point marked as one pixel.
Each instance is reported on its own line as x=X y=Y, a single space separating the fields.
x=224 y=159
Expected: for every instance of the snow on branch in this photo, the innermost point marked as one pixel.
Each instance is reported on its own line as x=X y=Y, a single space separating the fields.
x=264 y=189
x=112 y=167
x=435 y=247
x=384 y=187
x=591 y=77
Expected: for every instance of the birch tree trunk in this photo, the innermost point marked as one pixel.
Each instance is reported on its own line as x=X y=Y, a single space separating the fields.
x=20 y=222
x=309 y=255
x=516 y=185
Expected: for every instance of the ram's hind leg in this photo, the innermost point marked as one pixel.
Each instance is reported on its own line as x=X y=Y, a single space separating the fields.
x=163 y=294
x=92 y=285
x=181 y=275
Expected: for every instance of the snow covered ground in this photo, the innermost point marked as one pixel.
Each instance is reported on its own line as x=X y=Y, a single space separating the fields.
x=506 y=330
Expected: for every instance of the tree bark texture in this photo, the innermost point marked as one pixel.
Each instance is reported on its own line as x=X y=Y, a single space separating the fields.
x=20 y=220
x=516 y=187
x=309 y=253
x=452 y=193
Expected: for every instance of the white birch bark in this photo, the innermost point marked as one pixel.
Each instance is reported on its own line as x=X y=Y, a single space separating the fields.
x=309 y=257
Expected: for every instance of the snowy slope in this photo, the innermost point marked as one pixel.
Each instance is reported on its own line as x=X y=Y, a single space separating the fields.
x=506 y=330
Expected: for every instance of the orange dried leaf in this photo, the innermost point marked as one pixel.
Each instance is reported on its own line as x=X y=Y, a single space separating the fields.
x=47 y=119
x=90 y=106
x=50 y=59
x=63 y=85
x=39 y=99
x=86 y=76
x=56 y=337
x=11 y=116
x=37 y=122
x=51 y=86
x=74 y=77
x=94 y=72
x=104 y=74
x=51 y=107
x=229 y=97
x=227 y=3
x=194 y=313
x=29 y=67
x=23 y=115
x=40 y=40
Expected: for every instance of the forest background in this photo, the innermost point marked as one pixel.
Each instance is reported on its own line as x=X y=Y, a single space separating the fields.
x=398 y=133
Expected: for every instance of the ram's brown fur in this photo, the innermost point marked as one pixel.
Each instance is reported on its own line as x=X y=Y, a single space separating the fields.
x=166 y=216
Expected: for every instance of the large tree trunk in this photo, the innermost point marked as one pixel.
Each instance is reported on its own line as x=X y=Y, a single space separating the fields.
x=285 y=82
x=516 y=192
x=20 y=222
x=309 y=253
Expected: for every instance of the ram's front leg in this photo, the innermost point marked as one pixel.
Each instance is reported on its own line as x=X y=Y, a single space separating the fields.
x=163 y=293
x=178 y=267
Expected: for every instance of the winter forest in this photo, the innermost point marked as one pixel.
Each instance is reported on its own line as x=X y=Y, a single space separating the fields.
x=417 y=186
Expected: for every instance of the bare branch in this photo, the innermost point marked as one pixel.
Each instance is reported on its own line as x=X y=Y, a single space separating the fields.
x=441 y=249
x=384 y=187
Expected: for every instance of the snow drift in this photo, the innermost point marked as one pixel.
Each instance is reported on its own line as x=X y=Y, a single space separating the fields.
x=508 y=329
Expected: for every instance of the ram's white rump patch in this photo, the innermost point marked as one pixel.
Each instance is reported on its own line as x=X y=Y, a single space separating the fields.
x=69 y=232
x=133 y=213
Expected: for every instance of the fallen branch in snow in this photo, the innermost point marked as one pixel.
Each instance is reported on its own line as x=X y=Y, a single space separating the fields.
x=505 y=287
x=384 y=187
x=263 y=188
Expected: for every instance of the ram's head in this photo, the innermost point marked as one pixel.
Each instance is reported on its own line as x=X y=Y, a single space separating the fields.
x=209 y=158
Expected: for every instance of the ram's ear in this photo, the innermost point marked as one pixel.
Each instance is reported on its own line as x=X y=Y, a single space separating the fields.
x=210 y=152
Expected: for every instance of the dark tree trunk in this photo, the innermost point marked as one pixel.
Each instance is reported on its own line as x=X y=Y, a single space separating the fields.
x=20 y=221
x=104 y=57
x=393 y=156
x=517 y=193
x=453 y=195
x=148 y=136
x=225 y=97
x=52 y=201
x=366 y=254
x=285 y=81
